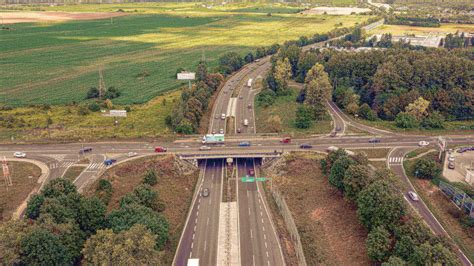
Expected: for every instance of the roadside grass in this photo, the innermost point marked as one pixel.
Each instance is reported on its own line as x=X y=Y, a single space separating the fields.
x=443 y=209
x=285 y=108
x=12 y=197
x=378 y=164
x=73 y=172
x=406 y=30
x=451 y=127
x=146 y=120
x=56 y=63
x=175 y=189
x=374 y=152
x=328 y=225
x=417 y=152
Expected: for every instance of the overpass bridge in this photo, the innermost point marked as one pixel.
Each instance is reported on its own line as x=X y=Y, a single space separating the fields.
x=222 y=154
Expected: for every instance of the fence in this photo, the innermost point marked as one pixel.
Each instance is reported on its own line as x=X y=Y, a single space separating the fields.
x=290 y=224
x=458 y=197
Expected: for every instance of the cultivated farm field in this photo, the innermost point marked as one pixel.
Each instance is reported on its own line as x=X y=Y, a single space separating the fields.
x=57 y=62
x=406 y=30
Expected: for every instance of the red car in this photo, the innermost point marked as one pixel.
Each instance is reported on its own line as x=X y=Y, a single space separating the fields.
x=285 y=140
x=251 y=172
x=160 y=149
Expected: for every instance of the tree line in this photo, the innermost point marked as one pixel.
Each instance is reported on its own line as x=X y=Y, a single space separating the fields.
x=63 y=227
x=396 y=236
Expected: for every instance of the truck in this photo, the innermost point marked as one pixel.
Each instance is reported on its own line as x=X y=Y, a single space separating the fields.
x=249 y=83
x=213 y=139
x=193 y=262
x=246 y=122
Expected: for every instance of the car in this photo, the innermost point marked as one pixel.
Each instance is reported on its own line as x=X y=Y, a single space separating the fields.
x=306 y=146
x=423 y=143
x=216 y=117
x=160 y=149
x=338 y=129
x=223 y=116
x=132 y=154
x=240 y=97
x=451 y=165
x=374 y=140
x=257 y=60
x=205 y=192
x=244 y=144
x=85 y=149
x=451 y=159
x=213 y=132
x=333 y=134
x=19 y=154
x=239 y=130
x=249 y=106
x=413 y=196
x=251 y=172
x=221 y=131
x=109 y=162
x=285 y=140
x=204 y=148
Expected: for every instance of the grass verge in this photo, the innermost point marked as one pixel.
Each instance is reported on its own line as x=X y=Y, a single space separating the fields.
x=374 y=153
x=24 y=177
x=73 y=172
x=442 y=208
x=328 y=225
x=175 y=188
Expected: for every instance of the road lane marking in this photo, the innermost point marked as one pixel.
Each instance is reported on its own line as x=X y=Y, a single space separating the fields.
x=205 y=244
x=267 y=254
x=207 y=223
x=251 y=233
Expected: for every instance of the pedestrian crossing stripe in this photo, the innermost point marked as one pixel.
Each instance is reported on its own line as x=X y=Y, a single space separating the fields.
x=395 y=160
x=67 y=164
x=94 y=166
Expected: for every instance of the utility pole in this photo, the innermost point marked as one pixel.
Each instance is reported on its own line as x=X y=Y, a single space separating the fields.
x=101 y=83
x=6 y=173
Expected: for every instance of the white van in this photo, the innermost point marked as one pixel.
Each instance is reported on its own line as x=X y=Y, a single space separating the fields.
x=246 y=122
x=223 y=116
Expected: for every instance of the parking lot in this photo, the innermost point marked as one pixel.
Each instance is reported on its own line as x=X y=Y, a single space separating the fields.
x=463 y=160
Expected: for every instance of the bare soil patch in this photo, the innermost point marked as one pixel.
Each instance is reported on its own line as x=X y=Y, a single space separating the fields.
x=22 y=186
x=175 y=189
x=328 y=225
x=21 y=17
x=336 y=10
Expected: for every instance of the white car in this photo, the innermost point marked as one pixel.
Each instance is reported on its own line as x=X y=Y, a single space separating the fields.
x=132 y=154
x=451 y=158
x=413 y=196
x=423 y=143
x=221 y=131
x=204 y=148
x=19 y=154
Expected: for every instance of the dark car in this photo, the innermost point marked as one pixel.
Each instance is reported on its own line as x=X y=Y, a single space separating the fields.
x=338 y=129
x=109 y=162
x=374 y=140
x=333 y=134
x=451 y=165
x=85 y=149
x=251 y=172
x=306 y=146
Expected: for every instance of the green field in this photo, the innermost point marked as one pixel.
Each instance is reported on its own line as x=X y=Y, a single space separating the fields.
x=56 y=63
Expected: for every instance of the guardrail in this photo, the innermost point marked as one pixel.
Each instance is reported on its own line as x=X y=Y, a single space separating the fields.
x=191 y=156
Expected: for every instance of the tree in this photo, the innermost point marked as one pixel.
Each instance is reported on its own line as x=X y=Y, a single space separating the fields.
x=93 y=92
x=230 y=62
x=131 y=214
x=266 y=98
x=434 y=120
x=108 y=104
x=91 y=215
x=332 y=156
x=34 y=205
x=201 y=71
x=367 y=113
x=135 y=246
x=94 y=107
x=356 y=178
x=318 y=90
x=418 y=108
x=380 y=205
x=248 y=58
x=11 y=234
x=426 y=254
x=352 y=108
x=150 y=177
x=378 y=244
x=304 y=117
x=426 y=169
x=59 y=187
x=57 y=211
x=41 y=247
x=292 y=54
x=406 y=120
x=338 y=170
x=112 y=93
x=394 y=261
x=104 y=191
x=142 y=195
x=282 y=74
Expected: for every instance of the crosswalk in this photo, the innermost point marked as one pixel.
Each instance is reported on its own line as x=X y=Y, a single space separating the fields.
x=64 y=164
x=58 y=157
x=95 y=166
x=395 y=160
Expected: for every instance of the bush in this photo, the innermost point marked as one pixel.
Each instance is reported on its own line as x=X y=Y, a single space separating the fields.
x=367 y=113
x=104 y=191
x=112 y=93
x=83 y=110
x=266 y=98
x=426 y=169
x=434 y=120
x=304 y=117
x=405 y=120
x=92 y=93
x=94 y=107
x=150 y=178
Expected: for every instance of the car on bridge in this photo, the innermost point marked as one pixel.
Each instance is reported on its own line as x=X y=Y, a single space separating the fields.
x=160 y=149
x=251 y=172
x=132 y=154
x=306 y=146
x=19 y=154
x=285 y=140
x=204 y=148
x=109 y=162
x=244 y=144
x=423 y=143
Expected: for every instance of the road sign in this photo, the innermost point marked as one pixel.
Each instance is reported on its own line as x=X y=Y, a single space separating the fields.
x=261 y=179
x=251 y=179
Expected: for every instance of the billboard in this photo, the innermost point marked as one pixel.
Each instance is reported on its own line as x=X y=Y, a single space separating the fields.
x=118 y=113
x=213 y=138
x=186 y=76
